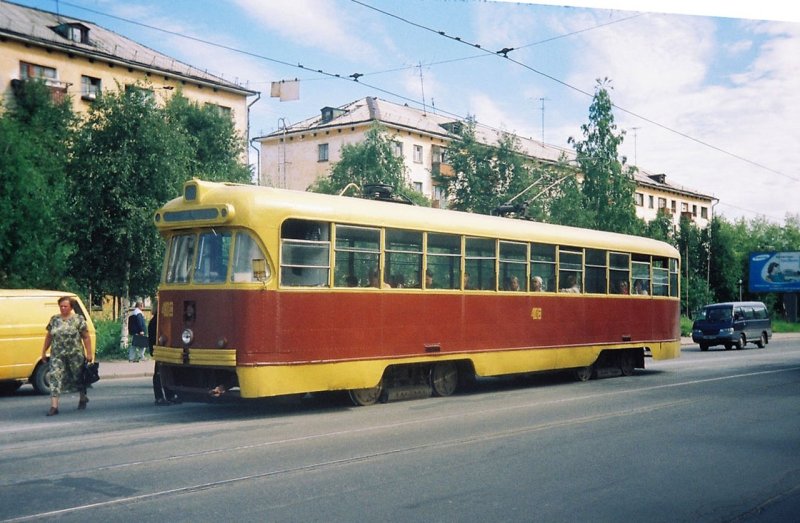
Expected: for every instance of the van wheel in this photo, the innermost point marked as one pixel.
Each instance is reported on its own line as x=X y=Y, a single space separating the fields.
x=762 y=341
x=41 y=379
x=741 y=342
x=703 y=347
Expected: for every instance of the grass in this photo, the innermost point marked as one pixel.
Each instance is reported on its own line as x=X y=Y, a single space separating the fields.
x=108 y=340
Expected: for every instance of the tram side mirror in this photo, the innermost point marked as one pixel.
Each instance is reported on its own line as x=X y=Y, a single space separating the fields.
x=259 y=269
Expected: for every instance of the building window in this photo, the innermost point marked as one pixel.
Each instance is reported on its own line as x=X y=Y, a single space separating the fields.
x=684 y=207
x=143 y=92
x=694 y=210
x=418 y=187
x=322 y=152
x=75 y=32
x=650 y=202
x=417 y=154
x=90 y=88
x=221 y=110
x=639 y=199
x=30 y=71
x=704 y=212
x=397 y=148
x=662 y=203
x=674 y=206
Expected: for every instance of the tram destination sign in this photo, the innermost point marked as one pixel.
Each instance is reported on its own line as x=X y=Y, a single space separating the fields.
x=774 y=272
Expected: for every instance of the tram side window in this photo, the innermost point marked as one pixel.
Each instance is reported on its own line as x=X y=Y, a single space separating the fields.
x=596 y=271
x=673 y=277
x=513 y=266
x=181 y=257
x=246 y=255
x=305 y=253
x=640 y=267
x=619 y=269
x=358 y=257
x=444 y=261
x=479 y=263
x=543 y=265
x=213 y=253
x=660 y=277
x=570 y=269
x=404 y=258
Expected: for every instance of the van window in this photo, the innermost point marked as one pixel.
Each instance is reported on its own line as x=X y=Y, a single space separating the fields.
x=719 y=314
x=761 y=313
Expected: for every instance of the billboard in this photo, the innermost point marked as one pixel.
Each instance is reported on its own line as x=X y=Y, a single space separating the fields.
x=774 y=272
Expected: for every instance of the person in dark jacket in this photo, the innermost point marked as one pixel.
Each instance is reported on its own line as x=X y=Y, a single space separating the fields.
x=136 y=327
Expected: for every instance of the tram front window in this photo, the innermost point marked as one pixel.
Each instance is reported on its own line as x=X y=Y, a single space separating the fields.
x=249 y=262
x=213 y=251
x=181 y=255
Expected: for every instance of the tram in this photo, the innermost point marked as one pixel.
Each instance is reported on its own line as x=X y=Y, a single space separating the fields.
x=268 y=292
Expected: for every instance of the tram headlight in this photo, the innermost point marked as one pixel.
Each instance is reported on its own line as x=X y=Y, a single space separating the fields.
x=162 y=340
x=187 y=336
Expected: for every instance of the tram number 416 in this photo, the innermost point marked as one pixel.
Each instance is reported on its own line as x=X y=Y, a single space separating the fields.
x=536 y=313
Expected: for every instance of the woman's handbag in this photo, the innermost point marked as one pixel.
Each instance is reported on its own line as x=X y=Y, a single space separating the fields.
x=91 y=372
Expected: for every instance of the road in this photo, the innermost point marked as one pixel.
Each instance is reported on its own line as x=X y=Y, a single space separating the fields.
x=713 y=436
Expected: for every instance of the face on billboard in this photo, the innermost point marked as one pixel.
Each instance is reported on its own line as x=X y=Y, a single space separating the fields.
x=775 y=272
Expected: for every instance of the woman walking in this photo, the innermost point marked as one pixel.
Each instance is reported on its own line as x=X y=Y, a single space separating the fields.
x=70 y=346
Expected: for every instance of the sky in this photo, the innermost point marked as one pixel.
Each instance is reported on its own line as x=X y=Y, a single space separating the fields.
x=708 y=93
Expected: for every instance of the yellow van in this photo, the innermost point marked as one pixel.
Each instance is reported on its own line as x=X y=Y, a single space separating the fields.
x=24 y=314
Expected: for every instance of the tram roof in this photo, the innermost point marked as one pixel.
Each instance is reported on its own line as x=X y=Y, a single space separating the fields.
x=251 y=203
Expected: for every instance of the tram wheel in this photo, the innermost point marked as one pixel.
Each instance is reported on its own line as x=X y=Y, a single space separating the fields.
x=444 y=378
x=584 y=373
x=366 y=397
x=626 y=364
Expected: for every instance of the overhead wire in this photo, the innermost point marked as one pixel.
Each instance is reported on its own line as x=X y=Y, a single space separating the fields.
x=503 y=53
x=356 y=77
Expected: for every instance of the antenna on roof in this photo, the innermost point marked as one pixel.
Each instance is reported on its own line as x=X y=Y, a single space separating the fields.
x=422 y=86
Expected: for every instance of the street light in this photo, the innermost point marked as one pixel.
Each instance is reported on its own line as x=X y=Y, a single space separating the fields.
x=740 y=290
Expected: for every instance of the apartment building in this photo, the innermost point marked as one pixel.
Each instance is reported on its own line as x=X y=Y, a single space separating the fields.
x=82 y=59
x=295 y=155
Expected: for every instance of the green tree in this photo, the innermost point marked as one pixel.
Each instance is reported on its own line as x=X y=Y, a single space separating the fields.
x=35 y=136
x=608 y=187
x=128 y=160
x=217 y=146
x=371 y=161
x=486 y=176
x=724 y=264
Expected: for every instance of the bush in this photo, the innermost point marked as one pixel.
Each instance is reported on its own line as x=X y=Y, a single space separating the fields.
x=108 y=341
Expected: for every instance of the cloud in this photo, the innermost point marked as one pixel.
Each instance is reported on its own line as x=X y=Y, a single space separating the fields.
x=316 y=24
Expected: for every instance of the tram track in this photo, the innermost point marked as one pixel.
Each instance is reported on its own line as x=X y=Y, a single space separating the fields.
x=122 y=437
x=319 y=465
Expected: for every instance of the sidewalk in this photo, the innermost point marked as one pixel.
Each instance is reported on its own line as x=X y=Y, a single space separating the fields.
x=125 y=369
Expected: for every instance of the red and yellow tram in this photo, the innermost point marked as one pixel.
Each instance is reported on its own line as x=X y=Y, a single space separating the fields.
x=268 y=292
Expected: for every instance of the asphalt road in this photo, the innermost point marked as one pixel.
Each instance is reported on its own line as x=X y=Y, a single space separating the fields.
x=713 y=436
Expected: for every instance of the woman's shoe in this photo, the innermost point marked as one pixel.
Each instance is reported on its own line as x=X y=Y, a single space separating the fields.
x=52 y=412
x=82 y=403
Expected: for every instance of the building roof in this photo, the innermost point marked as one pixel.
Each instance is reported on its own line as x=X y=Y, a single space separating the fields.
x=36 y=27
x=403 y=117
